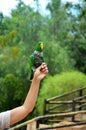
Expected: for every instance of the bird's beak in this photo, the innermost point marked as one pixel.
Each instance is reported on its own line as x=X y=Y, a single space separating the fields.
x=41 y=46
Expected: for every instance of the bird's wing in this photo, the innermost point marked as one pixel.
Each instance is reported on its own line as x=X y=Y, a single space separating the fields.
x=31 y=61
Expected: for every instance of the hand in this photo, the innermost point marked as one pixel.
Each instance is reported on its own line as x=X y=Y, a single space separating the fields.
x=41 y=71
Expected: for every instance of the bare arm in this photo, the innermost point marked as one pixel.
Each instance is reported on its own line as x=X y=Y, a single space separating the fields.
x=19 y=113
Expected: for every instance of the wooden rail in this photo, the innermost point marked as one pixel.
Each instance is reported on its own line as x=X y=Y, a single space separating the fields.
x=67 y=93
x=62 y=126
x=59 y=104
x=48 y=116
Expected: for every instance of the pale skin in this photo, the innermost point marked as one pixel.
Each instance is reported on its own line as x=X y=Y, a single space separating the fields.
x=17 y=114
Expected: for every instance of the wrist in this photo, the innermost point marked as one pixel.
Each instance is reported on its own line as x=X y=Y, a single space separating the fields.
x=36 y=79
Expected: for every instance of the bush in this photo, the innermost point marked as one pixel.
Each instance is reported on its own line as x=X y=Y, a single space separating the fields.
x=59 y=84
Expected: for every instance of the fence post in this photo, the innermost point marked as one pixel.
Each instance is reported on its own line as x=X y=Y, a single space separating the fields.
x=44 y=110
x=37 y=124
x=80 y=95
x=73 y=109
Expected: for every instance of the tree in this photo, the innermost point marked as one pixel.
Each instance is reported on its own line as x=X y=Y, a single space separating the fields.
x=2 y=24
x=77 y=38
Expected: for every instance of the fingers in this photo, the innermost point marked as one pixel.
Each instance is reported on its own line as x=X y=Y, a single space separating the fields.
x=44 y=68
x=41 y=71
x=41 y=66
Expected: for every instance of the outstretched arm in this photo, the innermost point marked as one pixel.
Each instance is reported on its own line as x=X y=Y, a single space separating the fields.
x=19 y=113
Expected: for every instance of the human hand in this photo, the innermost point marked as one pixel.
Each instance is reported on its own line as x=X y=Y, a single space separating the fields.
x=41 y=71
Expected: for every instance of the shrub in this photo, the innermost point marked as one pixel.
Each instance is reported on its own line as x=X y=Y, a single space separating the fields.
x=59 y=84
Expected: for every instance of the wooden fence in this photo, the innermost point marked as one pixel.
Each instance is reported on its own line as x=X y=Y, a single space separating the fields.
x=51 y=110
x=51 y=116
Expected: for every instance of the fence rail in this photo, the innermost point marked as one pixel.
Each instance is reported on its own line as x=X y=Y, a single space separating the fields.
x=80 y=91
x=50 y=110
x=58 y=103
x=50 y=116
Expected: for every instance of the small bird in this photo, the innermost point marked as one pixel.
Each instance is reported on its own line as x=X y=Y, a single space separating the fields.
x=36 y=58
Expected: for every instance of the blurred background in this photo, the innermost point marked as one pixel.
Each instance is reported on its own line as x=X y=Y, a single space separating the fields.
x=61 y=25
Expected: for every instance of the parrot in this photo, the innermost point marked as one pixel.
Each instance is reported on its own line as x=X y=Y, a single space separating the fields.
x=36 y=58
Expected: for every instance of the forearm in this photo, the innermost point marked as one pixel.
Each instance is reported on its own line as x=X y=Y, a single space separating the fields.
x=31 y=98
x=19 y=113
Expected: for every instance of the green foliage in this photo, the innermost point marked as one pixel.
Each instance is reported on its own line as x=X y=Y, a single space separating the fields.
x=59 y=84
x=77 y=45
x=2 y=93
x=64 y=35
x=7 y=89
x=57 y=58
